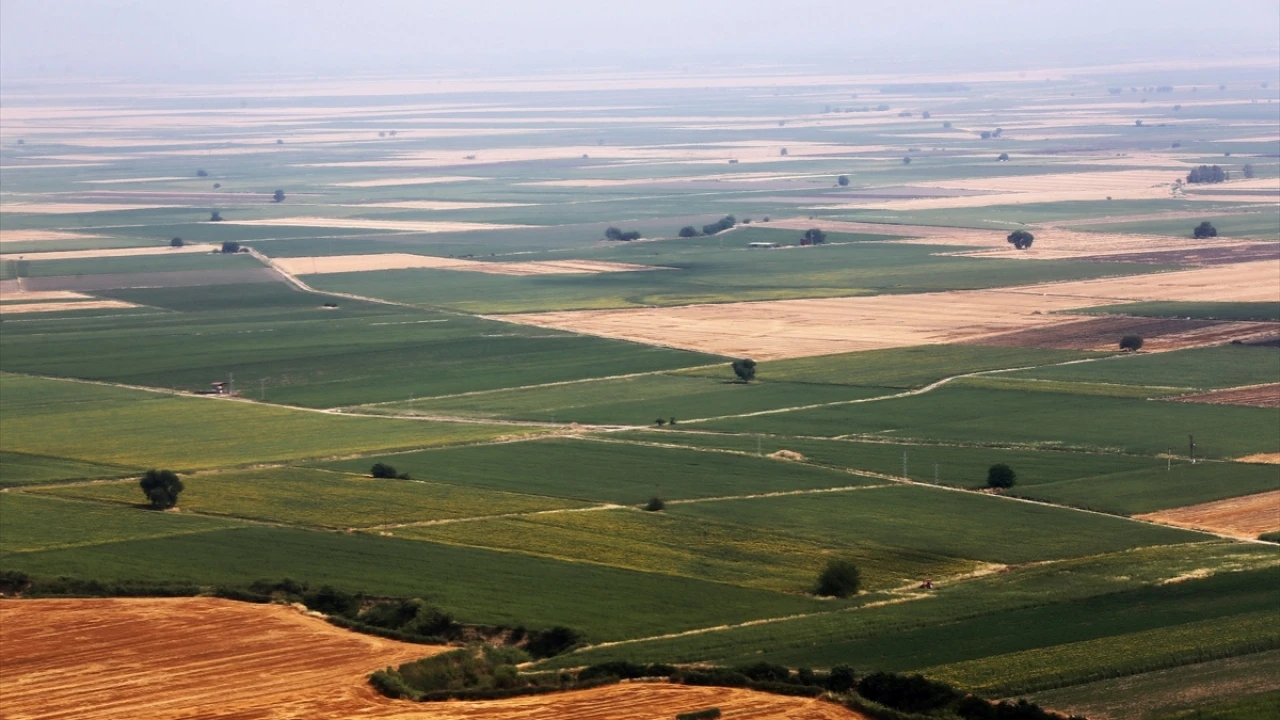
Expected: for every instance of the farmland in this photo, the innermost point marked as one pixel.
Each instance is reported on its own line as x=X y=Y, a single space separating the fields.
x=520 y=298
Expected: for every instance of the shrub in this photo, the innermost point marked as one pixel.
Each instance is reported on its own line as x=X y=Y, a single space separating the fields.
x=843 y=181
x=765 y=672
x=840 y=579
x=230 y=248
x=1020 y=239
x=841 y=679
x=383 y=470
x=688 y=231
x=655 y=504
x=216 y=216
x=332 y=601
x=1003 y=157
x=161 y=488
x=908 y=693
x=13 y=582
x=176 y=242
x=1132 y=343
x=1001 y=476
x=551 y=642
x=202 y=173
x=906 y=161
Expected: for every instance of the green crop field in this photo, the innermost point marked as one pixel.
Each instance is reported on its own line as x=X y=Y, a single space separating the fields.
x=626 y=474
x=37 y=523
x=985 y=416
x=138 y=264
x=1257 y=311
x=317 y=498
x=1251 y=225
x=102 y=424
x=679 y=545
x=23 y=469
x=1196 y=369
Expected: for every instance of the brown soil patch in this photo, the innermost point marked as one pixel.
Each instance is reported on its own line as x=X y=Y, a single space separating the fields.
x=1254 y=395
x=19 y=296
x=146 y=659
x=1216 y=255
x=114 y=252
x=321 y=265
x=40 y=235
x=1158 y=334
x=356 y=223
x=799 y=328
x=1265 y=458
x=1248 y=516
x=162 y=659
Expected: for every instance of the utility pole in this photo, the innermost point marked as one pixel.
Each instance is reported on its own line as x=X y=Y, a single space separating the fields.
x=1191 y=442
x=1169 y=457
x=904 y=466
x=936 y=481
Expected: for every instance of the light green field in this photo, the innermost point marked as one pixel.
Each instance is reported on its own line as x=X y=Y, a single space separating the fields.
x=36 y=523
x=1197 y=368
x=20 y=469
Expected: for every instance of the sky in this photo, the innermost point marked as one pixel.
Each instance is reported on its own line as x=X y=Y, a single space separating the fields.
x=167 y=39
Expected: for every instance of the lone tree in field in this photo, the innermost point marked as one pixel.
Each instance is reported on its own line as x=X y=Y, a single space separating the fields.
x=161 y=488
x=1021 y=239
x=906 y=161
x=655 y=504
x=745 y=369
x=946 y=125
x=840 y=579
x=277 y=196
x=784 y=152
x=1247 y=170
x=1001 y=476
x=1132 y=343
x=386 y=472
x=1204 y=230
x=688 y=231
x=176 y=242
x=215 y=216
x=202 y=173
x=230 y=248
x=843 y=181
x=1004 y=157
x=813 y=236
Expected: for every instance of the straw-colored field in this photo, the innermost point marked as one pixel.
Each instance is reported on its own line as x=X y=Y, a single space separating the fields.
x=21 y=296
x=69 y=208
x=321 y=265
x=23 y=308
x=1239 y=282
x=39 y=235
x=1248 y=516
x=116 y=252
x=393 y=182
x=163 y=659
x=1062 y=187
x=358 y=224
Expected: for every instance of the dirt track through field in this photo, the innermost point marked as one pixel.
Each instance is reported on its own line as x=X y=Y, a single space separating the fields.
x=161 y=659
x=320 y=265
x=1245 y=517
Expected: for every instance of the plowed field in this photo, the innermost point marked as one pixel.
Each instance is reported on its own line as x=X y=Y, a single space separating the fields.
x=153 y=659
x=1158 y=334
x=1248 y=516
x=1254 y=395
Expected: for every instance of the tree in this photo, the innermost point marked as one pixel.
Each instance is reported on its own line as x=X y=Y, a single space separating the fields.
x=745 y=369
x=660 y=422
x=720 y=225
x=926 y=114
x=1132 y=343
x=1137 y=123
x=1021 y=239
x=985 y=134
x=176 y=242
x=813 y=236
x=613 y=233
x=553 y=641
x=688 y=231
x=655 y=504
x=202 y=173
x=382 y=470
x=843 y=181
x=1001 y=476
x=215 y=216
x=840 y=579
x=217 y=185
x=784 y=152
x=841 y=679
x=1204 y=230
x=1247 y=170
x=906 y=161
x=1004 y=157
x=277 y=196
x=946 y=125
x=161 y=488
x=279 y=141
x=230 y=247
x=1207 y=174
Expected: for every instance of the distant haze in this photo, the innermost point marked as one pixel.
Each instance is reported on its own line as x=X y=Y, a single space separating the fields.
x=173 y=39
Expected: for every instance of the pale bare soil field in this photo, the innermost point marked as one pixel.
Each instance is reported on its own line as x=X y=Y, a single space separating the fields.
x=393 y=182
x=157 y=659
x=115 y=252
x=1239 y=282
x=37 y=235
x=1060 y=187
x=438 y=205
x=1264 y=458
x=356 y=223
x=320 y=265
x=799 y=328
x=69 y=208
x=1158 y=334
x=23 y=308
x=1247 y=517
x=1254 y=395
x=18 y=295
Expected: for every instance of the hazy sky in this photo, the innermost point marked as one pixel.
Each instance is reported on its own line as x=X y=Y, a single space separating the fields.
x=168 y=38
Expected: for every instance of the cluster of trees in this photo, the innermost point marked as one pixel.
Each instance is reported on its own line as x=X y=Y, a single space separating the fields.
x=162 y=488
x=1204 y=230
x=990 y=134
x=1208 y=174
x=613 y=233
x=720 y=225
x=1021 y=239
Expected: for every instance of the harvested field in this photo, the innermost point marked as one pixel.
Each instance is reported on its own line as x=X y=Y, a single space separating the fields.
x=1158 y=334
x=1211 y=255
x=172 y=278
x=1237 y=282
x=358 y=224
x=38 y=235
x=186 y=657
x=393 y=182
x=403 y=261
x=1248 y=516
x=1061 y=187
x=1254 y=396
x=115 y=252
x=800 y=328
x=135 y=180
x=18 y=296
x=22 y=308
x=156 y=659
x=1264 y=458
x=439 y=205
x=73 y=208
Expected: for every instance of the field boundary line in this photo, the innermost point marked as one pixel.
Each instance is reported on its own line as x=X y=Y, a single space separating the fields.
x=478 y=518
